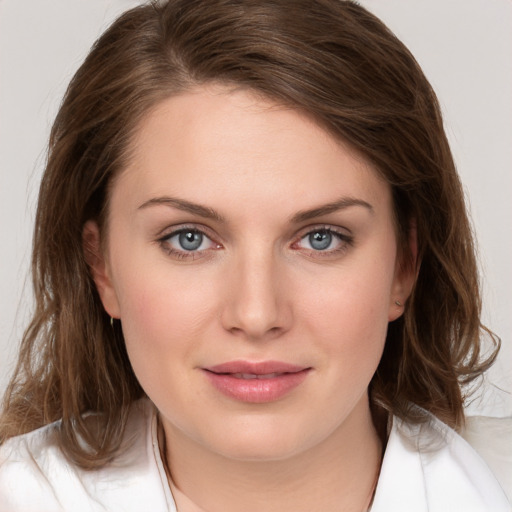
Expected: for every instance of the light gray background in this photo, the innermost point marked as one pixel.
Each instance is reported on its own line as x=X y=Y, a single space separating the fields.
x=464 y=47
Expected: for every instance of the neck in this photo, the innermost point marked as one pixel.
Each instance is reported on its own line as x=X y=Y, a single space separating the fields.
x=339 y=473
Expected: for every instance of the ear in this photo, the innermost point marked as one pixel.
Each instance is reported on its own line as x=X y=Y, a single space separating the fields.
x=99 y=267
x=406 y=273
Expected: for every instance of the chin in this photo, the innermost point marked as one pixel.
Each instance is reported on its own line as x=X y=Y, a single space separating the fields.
x=261 y=449
x=262 y=441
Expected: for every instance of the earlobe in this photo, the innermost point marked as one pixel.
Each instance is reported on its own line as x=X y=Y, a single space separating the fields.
x=404 y=280
x=406 y=273
x=93 y=253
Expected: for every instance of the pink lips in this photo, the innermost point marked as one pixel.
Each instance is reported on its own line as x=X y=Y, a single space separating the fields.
x=260 y=382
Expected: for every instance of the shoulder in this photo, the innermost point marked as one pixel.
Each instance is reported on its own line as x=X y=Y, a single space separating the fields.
x=35 y=476
x=429 y=467
x=24 y=463
x=492 y=439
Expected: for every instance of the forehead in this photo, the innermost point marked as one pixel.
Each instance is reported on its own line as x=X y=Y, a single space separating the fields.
x=213 y=145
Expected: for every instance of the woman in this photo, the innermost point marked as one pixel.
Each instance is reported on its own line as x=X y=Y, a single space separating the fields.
x=255 y=278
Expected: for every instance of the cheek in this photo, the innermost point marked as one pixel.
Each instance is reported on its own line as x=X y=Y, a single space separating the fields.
x=163 y=327
x=352 y=327
x=163 y=307
x=349 y=308
x=162 y=310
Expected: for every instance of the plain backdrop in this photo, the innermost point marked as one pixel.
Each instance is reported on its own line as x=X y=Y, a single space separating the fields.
x=464 y=47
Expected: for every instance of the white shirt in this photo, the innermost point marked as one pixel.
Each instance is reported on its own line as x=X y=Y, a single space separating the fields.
x=425 y=468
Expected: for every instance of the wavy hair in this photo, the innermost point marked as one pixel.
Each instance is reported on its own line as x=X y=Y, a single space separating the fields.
x=329 y=58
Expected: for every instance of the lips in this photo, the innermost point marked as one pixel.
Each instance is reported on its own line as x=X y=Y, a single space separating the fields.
x=255 y=376
x=256 y=382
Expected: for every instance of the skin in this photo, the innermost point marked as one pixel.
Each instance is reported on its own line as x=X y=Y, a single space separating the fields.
x=256 y=290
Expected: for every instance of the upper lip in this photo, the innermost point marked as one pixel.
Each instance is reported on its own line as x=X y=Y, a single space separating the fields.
x=255 y=368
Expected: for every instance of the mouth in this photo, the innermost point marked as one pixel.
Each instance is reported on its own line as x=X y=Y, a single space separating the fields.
x=256 y=382
x=249 y=376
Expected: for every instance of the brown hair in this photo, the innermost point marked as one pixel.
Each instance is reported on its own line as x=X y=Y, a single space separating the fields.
x=329 y=58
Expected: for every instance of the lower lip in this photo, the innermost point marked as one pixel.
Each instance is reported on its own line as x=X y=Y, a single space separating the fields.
x=257 y=390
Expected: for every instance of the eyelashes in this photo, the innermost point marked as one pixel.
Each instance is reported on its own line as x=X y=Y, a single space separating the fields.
x=188 y=243
x=192 y=242
x=324 y=242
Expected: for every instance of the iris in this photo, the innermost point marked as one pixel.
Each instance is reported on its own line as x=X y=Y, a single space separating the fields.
x=320 y=240
x=190 y=240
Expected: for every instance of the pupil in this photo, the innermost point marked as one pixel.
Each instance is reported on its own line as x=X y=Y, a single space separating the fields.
x=190 y=240
x=320 y=240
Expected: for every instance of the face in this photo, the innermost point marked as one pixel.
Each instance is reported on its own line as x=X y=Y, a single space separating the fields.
x=252 y=261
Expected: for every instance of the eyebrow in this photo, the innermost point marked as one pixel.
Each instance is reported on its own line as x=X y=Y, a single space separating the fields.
x=186 y=206
x=301 y=216
x=340 y=204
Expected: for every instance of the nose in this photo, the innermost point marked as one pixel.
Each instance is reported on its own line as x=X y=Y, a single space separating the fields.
x=257 y=306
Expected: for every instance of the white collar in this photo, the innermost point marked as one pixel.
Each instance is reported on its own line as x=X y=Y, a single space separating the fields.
x=429 y=467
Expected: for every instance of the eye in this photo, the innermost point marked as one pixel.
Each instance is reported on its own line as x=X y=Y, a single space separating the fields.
x=325 y=240
x=187 y=243
x=188 y=240
x=319 y=240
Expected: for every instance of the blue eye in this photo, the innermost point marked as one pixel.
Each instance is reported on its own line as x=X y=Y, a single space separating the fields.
x=187 y=242
x=190 y=240
x=320 y=240
x=325 y=240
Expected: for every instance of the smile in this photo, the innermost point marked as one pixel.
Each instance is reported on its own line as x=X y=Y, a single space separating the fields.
x=260 y=382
